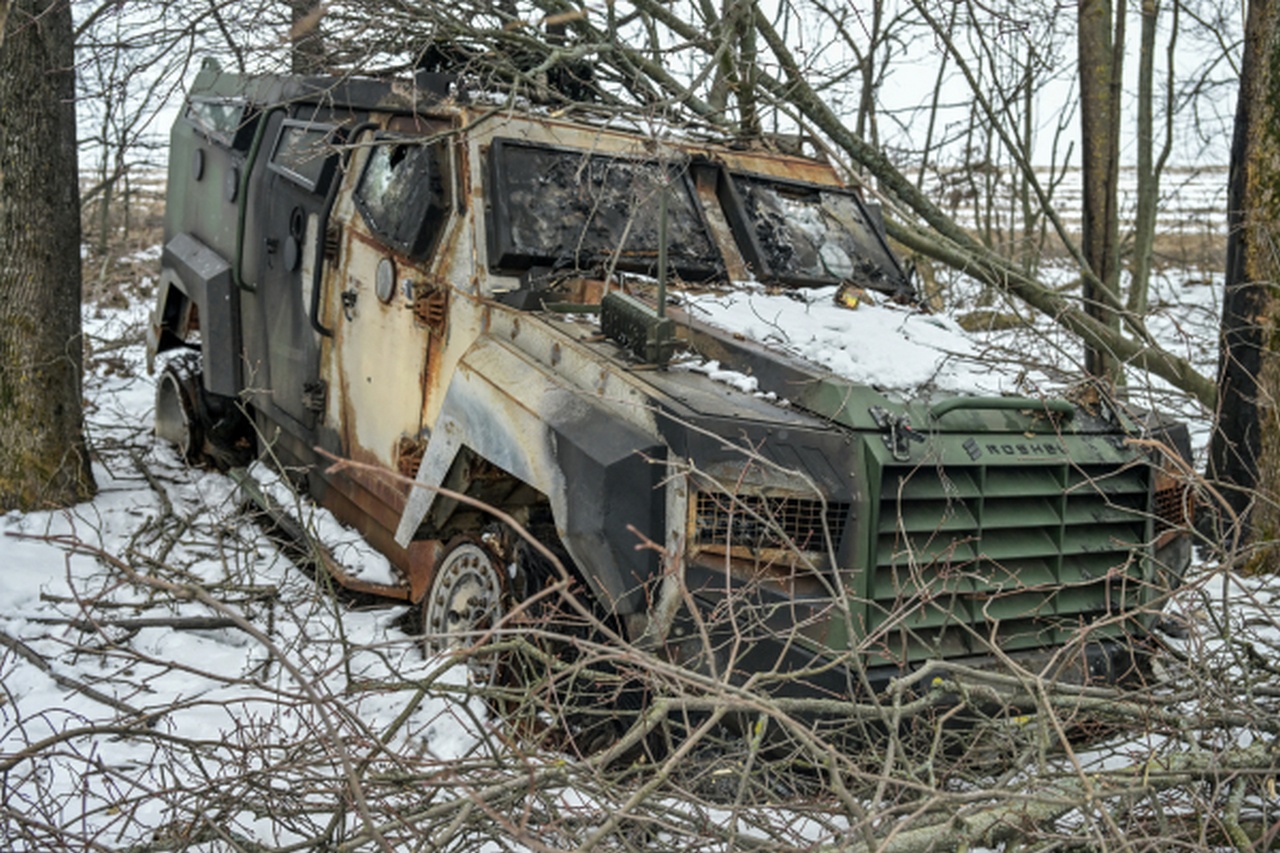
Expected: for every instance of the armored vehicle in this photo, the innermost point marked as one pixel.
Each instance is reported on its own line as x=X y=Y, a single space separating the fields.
x=475 y=307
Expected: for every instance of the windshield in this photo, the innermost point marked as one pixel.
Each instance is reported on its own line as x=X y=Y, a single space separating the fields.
x=584 y=211
x=800 y=234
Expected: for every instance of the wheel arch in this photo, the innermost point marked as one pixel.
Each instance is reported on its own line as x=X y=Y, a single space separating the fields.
x=601 y=473
x=196 y=292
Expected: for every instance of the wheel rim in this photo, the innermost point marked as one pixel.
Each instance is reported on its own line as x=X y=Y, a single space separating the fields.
x=174 y=417
x=463 y=601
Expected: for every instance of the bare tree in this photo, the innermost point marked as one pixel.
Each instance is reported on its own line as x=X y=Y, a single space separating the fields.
x=308 y=56
x=1101 y=43
x=1149 y=166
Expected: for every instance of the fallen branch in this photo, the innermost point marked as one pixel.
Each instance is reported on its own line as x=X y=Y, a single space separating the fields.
x=1028 y=811
x=36 y=659
x=177 y=623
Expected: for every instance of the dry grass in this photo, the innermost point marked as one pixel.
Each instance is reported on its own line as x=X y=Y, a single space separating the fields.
x=1182 y=249
x=121 y=270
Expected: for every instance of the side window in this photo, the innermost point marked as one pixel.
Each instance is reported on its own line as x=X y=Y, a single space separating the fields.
x=303 y=153
x=222 y=120
x=403 y=193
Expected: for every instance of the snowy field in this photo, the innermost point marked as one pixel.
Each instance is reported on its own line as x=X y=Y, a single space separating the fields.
x=1190 y=203
x=172 y=681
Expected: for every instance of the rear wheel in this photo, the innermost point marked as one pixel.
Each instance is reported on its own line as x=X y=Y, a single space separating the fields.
x=206 y=429
x=178 y=418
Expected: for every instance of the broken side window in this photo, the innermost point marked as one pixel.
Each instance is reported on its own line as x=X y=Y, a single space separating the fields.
x=576 y=210
x=806 y=235
x=303 y=154
x=403 y=193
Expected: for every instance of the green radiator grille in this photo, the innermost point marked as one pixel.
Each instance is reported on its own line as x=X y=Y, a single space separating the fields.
x=1014 y=556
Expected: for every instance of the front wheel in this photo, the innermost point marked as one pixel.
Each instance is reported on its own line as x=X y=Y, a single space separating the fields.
x=463 y=601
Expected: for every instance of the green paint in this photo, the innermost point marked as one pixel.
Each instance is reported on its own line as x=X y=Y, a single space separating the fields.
x=1026 y=547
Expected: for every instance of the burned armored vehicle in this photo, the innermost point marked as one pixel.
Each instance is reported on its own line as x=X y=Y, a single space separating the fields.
x=483 y=302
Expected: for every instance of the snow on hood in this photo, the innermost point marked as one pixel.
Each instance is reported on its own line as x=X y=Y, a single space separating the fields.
x=887 y=346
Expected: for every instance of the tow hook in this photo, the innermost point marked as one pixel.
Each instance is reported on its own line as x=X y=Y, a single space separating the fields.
x=898 y=433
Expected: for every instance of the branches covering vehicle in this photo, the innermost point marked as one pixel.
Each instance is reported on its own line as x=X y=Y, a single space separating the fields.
x=482 y=299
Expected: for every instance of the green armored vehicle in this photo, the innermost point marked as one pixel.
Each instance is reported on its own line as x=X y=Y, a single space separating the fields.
x=480 y=307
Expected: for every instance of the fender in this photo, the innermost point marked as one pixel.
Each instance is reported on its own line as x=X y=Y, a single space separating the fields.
x=598 y=474
x=204 y=277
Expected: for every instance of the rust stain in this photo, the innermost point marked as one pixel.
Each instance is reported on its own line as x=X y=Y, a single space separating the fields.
x=464 y=171
x=423 y=554
x=433 y=381
x=777 y=165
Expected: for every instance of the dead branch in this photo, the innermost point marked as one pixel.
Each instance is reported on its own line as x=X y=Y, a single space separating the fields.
x=34 y=658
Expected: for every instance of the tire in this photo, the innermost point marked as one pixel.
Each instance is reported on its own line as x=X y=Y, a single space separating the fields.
x=179 y=419
x=464 y=601
x=207 y=430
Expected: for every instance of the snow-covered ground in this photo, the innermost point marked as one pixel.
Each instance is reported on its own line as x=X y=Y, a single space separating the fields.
x=186 y=653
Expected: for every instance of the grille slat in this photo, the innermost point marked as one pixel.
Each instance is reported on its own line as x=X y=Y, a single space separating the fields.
x=927 y=516
x=1007 y=512
x=1029 y=551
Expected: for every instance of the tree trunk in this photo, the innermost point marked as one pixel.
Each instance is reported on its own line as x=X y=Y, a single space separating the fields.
x=1144 y=222
x=43 y=458
x=307 y=54
x=1245 y=448
x=866 y=120
x=1100 y=78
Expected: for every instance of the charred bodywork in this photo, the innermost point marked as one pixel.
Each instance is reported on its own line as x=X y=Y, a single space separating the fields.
x=468 y=296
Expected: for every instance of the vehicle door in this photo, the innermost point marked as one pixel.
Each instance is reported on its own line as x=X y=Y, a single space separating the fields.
x=387 y=296
x=294 y=198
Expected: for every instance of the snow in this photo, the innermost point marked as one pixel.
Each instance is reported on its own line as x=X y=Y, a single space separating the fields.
x=884 y=345
x=712 y=369
x=347 y=546
x=288 y=664
x=912 y=353
x=892 y=347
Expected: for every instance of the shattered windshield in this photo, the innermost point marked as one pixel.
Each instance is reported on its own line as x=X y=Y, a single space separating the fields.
x=577 y=210
x=800 y=234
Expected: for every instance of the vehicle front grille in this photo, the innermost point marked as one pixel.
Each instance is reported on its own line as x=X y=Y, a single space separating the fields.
x=759 y=522
x=978 y=557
